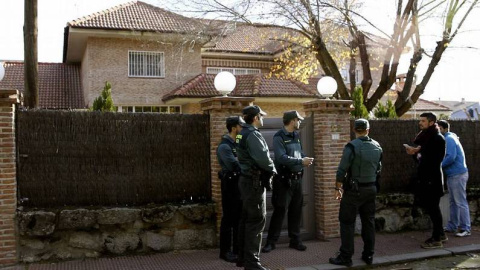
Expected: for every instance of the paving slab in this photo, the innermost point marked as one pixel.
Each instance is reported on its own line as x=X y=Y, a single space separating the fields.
x=464 y=249
x=390 y=248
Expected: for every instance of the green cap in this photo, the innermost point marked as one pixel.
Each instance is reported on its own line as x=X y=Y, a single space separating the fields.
x=290 y=115
x=253 y=110
x=361 y=124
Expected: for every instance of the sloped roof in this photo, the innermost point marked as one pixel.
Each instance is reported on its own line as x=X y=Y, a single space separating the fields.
x=249 y=38
x=425 y=105
x=137 y=16
x=59 y=84
x=420 y=105
x=247 y=86
x=456 y=105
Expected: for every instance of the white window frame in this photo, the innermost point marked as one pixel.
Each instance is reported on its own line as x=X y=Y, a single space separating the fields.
x=346 y=75
x=145 y=64
x=234 y=71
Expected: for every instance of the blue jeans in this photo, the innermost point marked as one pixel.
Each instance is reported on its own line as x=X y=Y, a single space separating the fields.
x=459 y=211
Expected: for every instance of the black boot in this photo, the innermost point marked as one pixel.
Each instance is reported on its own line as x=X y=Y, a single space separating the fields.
x=367 y=259
x=229 y=257
x=340 y=260
x=298 y=246
x=268 y=247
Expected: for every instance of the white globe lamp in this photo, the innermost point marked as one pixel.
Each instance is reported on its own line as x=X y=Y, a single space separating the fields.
x=327 y=86
x=225 y=82
x=2 y=71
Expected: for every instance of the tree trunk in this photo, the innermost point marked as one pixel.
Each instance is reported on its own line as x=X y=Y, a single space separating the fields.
x=353 y=67
x=437 y=55
x=30 y=33
x=405 y=93
x=367 y=75
x=330 y=67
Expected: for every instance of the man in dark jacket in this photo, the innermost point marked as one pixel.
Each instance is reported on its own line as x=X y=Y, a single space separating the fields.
x=257 y=168
x=287 y=194
x=429 y=154
x=231 y=203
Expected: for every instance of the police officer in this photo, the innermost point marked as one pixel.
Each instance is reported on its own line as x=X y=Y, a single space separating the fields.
x=287 y=184
x=356 y=188
x=231 y=203
x=256 y=171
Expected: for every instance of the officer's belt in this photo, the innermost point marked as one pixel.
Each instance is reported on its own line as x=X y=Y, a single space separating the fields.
x=292 y=175
x=366 y=184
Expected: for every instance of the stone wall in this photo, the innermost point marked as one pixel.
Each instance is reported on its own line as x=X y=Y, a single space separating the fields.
x=396 y=212
x=64 y=234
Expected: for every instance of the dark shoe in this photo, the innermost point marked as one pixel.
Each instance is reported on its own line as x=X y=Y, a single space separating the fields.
x=229 y=257
x=443 y=238
x=339 y=260
x=298 y=246
x=268 y=247
x=430 y=243
x=367 y=259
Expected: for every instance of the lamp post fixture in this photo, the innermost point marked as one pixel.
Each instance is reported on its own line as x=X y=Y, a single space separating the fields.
x=2 y=71
x=225 y=82
x=327 y=86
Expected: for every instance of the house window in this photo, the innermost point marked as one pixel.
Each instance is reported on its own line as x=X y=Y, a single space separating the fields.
x=146 y=64
x=346 y=75
x=150 y=109
x=234 y=71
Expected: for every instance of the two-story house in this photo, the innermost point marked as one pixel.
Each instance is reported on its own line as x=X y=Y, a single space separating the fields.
x=159 y=61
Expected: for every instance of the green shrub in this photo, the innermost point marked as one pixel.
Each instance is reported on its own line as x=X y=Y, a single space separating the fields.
x=104 y=102
x=360 y=110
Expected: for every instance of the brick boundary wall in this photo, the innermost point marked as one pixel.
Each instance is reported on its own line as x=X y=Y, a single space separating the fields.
x=219 y=108
x=331 y=128
x=8 y=185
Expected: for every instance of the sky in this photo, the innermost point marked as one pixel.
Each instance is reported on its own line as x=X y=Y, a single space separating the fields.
x=456 y=76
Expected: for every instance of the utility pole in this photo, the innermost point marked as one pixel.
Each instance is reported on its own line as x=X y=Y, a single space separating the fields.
x=30 y=33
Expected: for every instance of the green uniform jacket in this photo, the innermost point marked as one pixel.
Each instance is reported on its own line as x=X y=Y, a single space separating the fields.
x=362 y=159
x=252 y=151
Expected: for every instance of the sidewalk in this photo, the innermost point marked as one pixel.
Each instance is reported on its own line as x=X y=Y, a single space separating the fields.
x=390 y=248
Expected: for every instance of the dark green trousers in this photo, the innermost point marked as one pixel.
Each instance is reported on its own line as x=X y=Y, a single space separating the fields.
x=285 y=198
x=362 y=202
x=252 y=222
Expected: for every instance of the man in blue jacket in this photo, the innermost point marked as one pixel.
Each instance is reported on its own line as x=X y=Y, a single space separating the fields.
x=287 y=194
x=231 y=202
x=456 y=171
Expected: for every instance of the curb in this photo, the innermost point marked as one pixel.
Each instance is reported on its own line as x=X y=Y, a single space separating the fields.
x=393 y=259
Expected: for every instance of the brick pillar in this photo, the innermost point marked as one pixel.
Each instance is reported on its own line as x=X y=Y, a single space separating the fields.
x=219 y=108
x=331 y=128
x=8 y=184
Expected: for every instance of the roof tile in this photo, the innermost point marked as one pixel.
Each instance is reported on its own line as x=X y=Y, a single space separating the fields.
x=137 y=16
x=247 y=86
x=59 y=84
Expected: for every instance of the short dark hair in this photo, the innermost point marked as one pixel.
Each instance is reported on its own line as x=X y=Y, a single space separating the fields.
x=249 y=118
x=232 y=122
x=430 y=116
x=444 y=124
x=287 y=121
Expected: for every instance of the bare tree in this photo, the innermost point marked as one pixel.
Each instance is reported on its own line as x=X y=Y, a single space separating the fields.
x=30 y=32
x=310 y=16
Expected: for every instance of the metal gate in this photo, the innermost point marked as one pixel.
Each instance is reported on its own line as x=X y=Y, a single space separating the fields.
x=307 y=229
